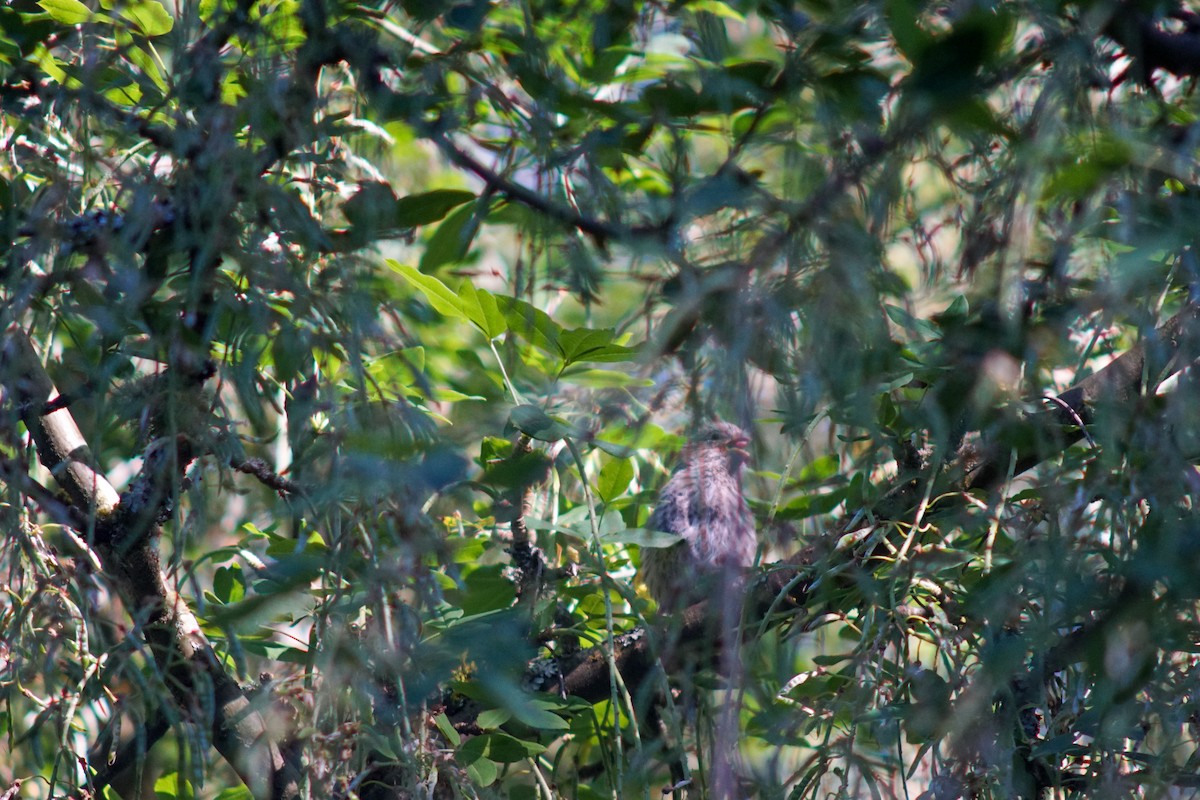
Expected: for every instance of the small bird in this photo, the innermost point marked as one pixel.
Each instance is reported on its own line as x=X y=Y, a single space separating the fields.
x=703 y=503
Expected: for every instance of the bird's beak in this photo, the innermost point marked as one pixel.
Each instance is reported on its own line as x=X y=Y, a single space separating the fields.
x=739 y=446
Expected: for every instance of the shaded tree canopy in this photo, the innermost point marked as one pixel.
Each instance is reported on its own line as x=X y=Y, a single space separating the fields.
x=347 y=345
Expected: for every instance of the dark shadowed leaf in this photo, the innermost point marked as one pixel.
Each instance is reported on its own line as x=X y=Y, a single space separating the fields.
x=427 y=207
x=536 y=423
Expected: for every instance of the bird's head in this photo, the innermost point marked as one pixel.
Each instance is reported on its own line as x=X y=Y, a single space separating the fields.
x=727 y=439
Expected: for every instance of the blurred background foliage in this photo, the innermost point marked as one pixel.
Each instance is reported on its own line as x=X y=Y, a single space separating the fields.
x=460 y=265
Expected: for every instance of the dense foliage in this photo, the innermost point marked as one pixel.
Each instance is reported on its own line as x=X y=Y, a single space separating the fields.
x=347 y=344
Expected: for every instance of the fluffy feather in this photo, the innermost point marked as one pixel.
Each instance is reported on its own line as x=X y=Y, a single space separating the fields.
x=703 y=503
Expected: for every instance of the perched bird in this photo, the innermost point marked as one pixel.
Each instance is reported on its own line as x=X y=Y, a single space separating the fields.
x=703 y=503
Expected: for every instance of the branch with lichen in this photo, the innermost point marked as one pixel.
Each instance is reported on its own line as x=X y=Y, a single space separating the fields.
x=124 y=529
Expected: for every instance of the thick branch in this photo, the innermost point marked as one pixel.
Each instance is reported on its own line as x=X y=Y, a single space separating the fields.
x=187 y=662
x=60 y=444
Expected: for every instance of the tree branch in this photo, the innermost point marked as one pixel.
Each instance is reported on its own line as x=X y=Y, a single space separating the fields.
x=258 y=468
x=602 y=232
x=187 y=662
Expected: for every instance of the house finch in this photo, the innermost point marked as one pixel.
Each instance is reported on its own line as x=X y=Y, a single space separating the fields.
x=703 y=503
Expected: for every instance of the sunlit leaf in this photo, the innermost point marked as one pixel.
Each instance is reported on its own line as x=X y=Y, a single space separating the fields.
x=614 y=479
x=437 y=293
x=173 y=785
x=530 y=323
x=447 y=730
x=149 y=16
x=480 y=306
x=586 y=344
x=604 y=378
x=716 y=8
x=68 y=12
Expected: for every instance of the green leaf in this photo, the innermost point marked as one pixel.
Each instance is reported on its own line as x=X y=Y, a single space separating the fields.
x=443 y=724
x=146 y=64
x=370 y=212
x=493 y=718
x=579 y=341
x=443 y=300
x=614 y=479
x=902 y=16
x=642 y=537
x=614 y=449
x=229 y=586
x=535 y=524
x=819 y=469
x=281 y=24
x=248 y=387
x=537 y=714
x=500 y=747
x=532 y=324
x=576 y=523
x=536 y=423
x=149 y=17
x=588 y=344
x=604 y=378
x=1055 y=745
x=716 y=8
x=811 y=505
x=126 y=95
x=427 y=207
x=959 y=308
x=444 y=395
x=610 y=522
x=898 y=382
x=411 y=357
x=452 y=239
x=423 y=10
x=829 y=659
x=68 y=12
x=486 y=589
x=482 y=771
x=291 y=351
x=234 y=793
x=481 y=308
x=521 y=470
x=920 y=327
x=174 y=786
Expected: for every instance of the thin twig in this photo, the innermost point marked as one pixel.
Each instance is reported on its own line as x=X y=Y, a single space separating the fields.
x=258 y=468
